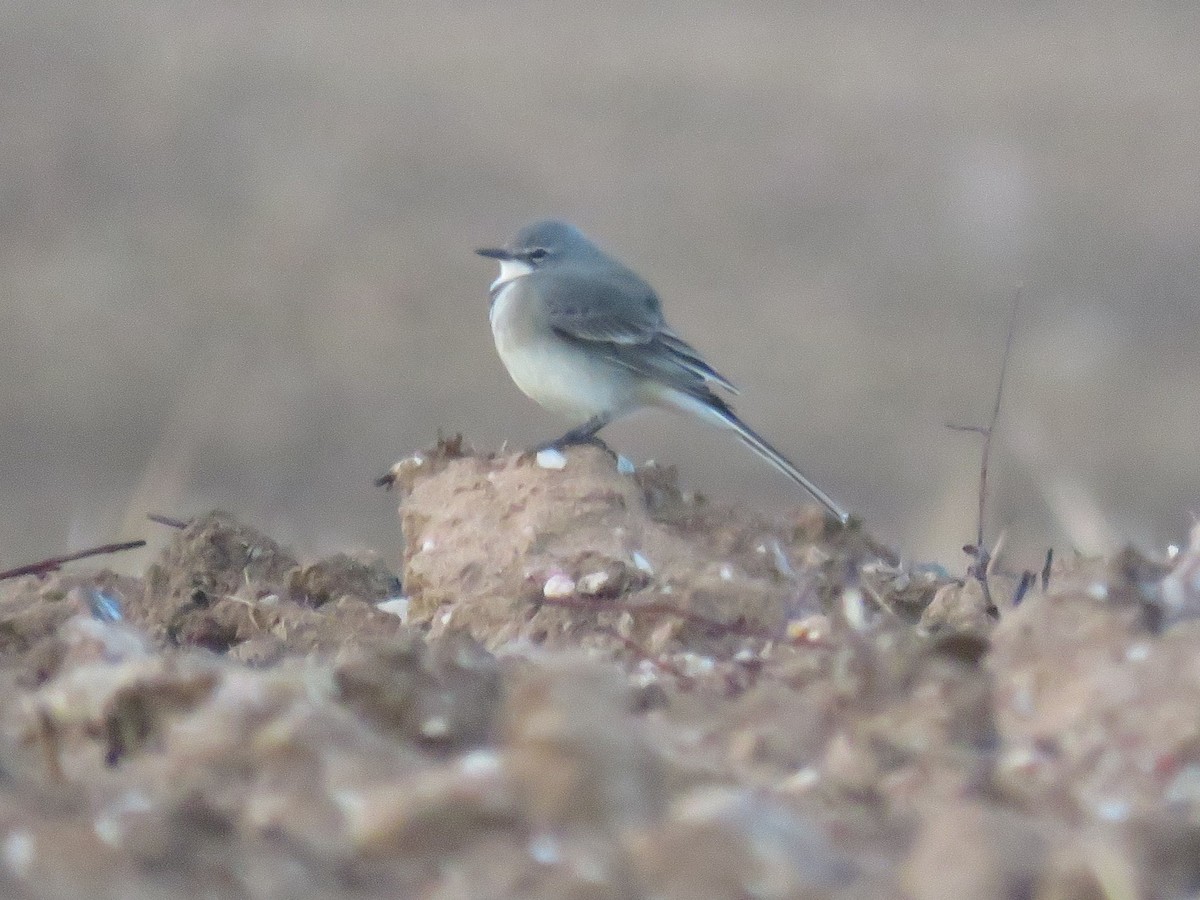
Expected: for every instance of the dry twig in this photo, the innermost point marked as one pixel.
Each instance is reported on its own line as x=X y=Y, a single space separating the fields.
x=1027 y=580
x=979 y=552
x=169 y=521
x=54 y=563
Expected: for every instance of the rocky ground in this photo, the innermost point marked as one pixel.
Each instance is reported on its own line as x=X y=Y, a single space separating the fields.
x=586 y=683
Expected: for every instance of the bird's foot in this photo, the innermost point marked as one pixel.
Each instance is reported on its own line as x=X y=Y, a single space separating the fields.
x=570 y=440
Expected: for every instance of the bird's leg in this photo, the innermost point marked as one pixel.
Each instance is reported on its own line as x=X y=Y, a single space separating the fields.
x=582 y=434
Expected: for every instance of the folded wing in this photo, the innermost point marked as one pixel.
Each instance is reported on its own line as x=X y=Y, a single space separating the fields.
x=618 y=316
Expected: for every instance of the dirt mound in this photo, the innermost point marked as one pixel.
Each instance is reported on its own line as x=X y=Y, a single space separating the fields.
x=588 y=683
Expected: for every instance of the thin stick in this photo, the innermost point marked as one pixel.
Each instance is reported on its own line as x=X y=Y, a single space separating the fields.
x=169 y=521
x=54 y=563
x=1027 y=580
x=979 y=568
x=985 y=455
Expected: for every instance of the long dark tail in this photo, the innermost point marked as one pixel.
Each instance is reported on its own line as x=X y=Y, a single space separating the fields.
x=712 y=408
x=758 y=444
x=676 y=376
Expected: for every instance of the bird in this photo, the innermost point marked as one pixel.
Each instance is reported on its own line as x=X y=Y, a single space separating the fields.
x=583 y=335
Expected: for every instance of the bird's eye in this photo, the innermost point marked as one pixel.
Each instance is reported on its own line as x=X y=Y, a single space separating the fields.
x=538 y=253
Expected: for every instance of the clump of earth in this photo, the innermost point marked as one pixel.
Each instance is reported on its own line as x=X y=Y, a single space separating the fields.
x=586 y=682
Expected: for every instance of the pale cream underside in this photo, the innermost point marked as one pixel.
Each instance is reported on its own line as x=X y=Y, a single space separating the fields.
x=561 y=377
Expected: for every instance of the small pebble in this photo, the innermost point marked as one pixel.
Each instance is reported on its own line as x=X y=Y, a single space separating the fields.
x=18 y=851
x=104 y=605
x=1112 y=810
x=1184 y=787
x=397 y=606
x=642 y=563
x=594 y=583
x=551 y=458
x=435 y=727
x=695 y=664
x=625 y=625
x=544 y=849
x=936 y=570
x=480 y=763
x=625 y=466
x=854 y=608
x=558 y=585
x=1138 y=652
x=782 y=565
x=810 y=628
x=801 y=780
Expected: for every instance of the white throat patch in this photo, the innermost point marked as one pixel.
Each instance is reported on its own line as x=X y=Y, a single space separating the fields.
x=510 y=269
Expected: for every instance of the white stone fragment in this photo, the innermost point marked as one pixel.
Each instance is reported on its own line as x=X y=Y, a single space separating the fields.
x=397 y=606
x=110 y=826
x=551 y=458
x=558 y=586
x=1112 y=810
x=435 y=727
x=18 y=852
x=697 y=664
x=642 y=563
x=811 y=628
x=625 y=625
x=480 y=763
x=854 y=608
x=625 y=465
x=544 y=849
x=801 y=780
x=1137 y=652
x=1184 y=787
x=782 y=565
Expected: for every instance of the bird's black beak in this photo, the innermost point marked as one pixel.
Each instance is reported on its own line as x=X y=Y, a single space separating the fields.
x=496 y=253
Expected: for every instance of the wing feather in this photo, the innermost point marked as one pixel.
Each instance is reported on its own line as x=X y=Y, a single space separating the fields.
x=619 y=316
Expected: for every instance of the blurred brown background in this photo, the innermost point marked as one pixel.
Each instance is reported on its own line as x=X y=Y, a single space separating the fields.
x=237 y=240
